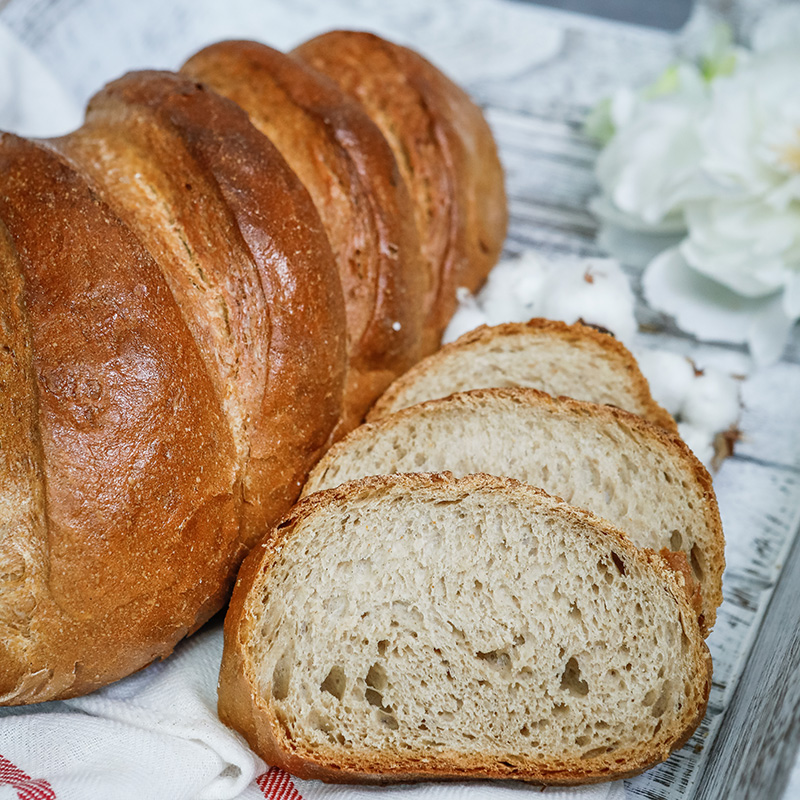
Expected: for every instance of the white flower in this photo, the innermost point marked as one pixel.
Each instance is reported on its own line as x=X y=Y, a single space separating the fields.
x=717 y=158
x=751 y=130
x=649 y=169
x=746 y=245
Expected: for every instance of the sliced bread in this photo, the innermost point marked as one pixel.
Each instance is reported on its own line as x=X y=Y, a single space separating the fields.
x=419 y=626
x=615 y=464
x=573 y=360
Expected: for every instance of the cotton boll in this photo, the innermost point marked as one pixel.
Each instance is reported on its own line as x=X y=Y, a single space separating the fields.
x=513 y=290
x=699 y=440
x=712 y=402
x=670 y=376
x=468 y=316
x=593 y=290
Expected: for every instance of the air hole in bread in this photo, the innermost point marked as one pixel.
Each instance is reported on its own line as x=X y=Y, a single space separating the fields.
x=594 y=752
x=376 y=678
x=497 y=659
x=335 y=682
x=685 y=643
x=594 y=475
x=321 y=723
x=660 y=705
x=696 y=560
x=630 y=467
x=282 y=676
x=675 y=541
x=571 y=679
x=374 y=698
x=618 y=563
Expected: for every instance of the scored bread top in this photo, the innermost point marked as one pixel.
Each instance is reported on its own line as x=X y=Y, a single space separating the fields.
x=376 y=634
x=345 y=163
x=573 y=360
x=444 y=150
x=600 y=458
x=246 y=256
x=117 y=463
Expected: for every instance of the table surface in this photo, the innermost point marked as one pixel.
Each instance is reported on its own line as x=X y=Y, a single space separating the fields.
x=537 y=72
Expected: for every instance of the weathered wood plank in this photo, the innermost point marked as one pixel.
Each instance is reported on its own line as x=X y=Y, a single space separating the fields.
x=760 y=508
x=754 y=748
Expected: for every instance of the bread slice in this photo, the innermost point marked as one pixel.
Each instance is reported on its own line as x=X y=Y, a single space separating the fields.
x=574 y=360
x=615 y=464
x=420 y=626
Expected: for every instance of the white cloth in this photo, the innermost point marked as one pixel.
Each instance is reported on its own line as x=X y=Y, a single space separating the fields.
x=156 y=736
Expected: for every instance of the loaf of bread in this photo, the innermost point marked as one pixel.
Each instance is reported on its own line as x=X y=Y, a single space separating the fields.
x=444 y=150
x=572 y=360
x=419 y=626
x=599 y=458
x=343 y=160
x=185 y=329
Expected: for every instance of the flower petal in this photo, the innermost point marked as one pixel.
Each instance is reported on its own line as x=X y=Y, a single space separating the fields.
x=769 y=332
x=699 y=305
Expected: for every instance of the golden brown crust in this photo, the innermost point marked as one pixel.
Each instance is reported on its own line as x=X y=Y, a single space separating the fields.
x=246 y=706
x=715 y=554
x=137 y=458
x=679 y=564
x=350 y=172
x=255 y=238
x=444 y=149
x=576 y=334
x=23 y=546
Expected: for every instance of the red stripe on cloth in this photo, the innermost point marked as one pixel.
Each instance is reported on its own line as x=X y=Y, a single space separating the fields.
x=26 y=787
x=277 y=785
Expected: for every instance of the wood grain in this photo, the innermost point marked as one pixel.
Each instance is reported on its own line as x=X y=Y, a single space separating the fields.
x=755 y=745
